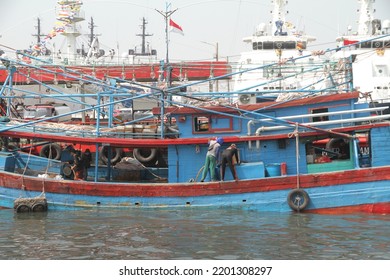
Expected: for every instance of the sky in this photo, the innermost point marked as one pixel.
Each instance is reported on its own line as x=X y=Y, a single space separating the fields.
x=206 y=23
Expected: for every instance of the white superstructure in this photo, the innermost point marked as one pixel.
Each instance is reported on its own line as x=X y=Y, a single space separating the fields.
x=275 y=43
x=371 y=59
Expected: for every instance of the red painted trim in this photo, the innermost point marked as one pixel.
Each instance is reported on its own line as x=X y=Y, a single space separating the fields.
x=16 y=181
x=127 y=142
x=377 y=208
x=272 y=104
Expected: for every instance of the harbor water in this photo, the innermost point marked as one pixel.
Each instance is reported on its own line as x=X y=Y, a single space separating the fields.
x=215 y=234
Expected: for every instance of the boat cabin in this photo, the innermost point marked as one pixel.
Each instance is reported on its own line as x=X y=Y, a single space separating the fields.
x=266 y=137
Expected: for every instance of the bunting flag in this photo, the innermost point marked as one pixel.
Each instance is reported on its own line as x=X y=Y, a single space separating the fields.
x=174 y=27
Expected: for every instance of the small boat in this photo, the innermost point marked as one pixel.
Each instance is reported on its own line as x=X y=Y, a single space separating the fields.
x=283 y=167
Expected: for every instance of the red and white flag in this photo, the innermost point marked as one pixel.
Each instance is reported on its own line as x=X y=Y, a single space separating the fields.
x=174 y=27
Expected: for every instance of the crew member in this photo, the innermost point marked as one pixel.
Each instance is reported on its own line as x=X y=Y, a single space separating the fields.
x=211 y=159
x=227 y=158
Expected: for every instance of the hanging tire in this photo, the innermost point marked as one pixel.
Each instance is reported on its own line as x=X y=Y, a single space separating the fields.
x=51 y=150
x=298 y=199
x=115 y=152
x=22 y=208
x=145 y=156
x=67 y=170
x=39 y=207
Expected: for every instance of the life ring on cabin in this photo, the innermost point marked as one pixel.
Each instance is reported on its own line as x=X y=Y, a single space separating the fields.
x=22 y=208
x=51 y=150
x=115 y=152
x=67 y=170
x=144 y=155
x=298 y=199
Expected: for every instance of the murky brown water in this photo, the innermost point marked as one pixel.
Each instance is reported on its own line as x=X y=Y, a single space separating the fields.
x=192 y=234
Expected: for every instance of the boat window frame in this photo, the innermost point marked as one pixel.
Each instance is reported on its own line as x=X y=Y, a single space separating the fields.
x=213 y=118
x=319 y=110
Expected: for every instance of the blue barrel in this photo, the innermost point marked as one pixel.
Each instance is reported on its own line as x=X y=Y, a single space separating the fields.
x=273 y=169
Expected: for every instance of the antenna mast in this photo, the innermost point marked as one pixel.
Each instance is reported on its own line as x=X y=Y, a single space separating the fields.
x=38 y=34
x=143 y=35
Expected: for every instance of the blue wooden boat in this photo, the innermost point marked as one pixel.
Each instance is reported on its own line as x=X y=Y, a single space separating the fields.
x=283 y=167
x=280 y=168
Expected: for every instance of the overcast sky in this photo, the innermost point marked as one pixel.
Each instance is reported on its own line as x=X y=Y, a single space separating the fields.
x=204 y=22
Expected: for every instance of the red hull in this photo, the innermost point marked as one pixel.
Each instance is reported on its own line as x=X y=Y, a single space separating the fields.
x=116 y=189
x=143 y=73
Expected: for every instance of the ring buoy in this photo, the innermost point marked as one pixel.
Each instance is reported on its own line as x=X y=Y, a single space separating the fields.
x=22 y=208
x=53 y=150
x=145 y=155
x=67 y=170
x=298 y=199
x=116 y=154
x=39 y=207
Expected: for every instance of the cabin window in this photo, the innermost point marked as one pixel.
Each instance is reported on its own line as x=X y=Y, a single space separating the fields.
x=201 y=124
x=211 y=124
x=320 y=118
x=366 y=45
x=377 y=44
x=268 y=45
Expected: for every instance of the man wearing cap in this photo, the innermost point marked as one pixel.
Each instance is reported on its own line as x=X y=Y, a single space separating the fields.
x=211 y=159
x=227 y=158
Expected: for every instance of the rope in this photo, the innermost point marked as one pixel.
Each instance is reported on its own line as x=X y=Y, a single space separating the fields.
x=296 y=134
x=48 y=159
x=26 y=165
x=158 y=177
x=197 y=175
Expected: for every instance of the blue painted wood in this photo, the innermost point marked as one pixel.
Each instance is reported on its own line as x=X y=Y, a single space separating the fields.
x=380 y=147
x=273 y=201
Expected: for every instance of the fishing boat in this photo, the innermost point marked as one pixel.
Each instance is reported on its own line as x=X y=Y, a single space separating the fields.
x=283 y=166
x=367 y=49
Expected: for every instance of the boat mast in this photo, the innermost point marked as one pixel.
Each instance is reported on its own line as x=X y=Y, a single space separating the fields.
x=278 y=15
x=91 y=26
x=38 y=34
x=69 y=12
x=366 y=12
x=143 y=35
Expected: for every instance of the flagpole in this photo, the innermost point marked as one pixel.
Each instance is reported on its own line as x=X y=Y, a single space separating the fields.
x=166 y=15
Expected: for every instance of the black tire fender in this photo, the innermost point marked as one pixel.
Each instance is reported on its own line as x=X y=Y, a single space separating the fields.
x=23 y=208
x=117 y=154
x=39 y=207
x=139 y=155
x=298 y=199
x=55 y=151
